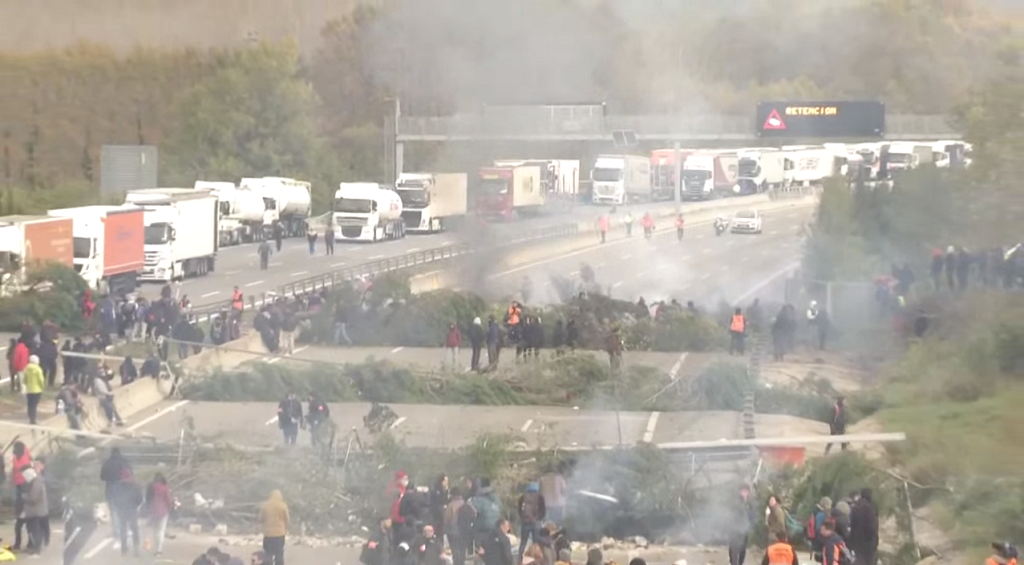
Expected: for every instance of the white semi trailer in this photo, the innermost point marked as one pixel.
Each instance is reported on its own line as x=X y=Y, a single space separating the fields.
x=181 y=232
x=367 y=211
x=430 y=200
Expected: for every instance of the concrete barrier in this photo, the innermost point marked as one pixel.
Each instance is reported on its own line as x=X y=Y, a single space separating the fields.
x=230 y=355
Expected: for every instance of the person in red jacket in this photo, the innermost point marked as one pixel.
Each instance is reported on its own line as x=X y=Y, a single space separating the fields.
x=452 y=342
x=160 y=504
x=19 y=360
x=395 y=492
x=21 y=460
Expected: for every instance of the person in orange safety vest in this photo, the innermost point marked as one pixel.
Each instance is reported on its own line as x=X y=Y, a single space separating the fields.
x=738 y=332
x=780 y=552
x=237 y=302
x=1002 y=554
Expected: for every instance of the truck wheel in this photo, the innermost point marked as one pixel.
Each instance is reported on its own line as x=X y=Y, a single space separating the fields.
x=437 y=224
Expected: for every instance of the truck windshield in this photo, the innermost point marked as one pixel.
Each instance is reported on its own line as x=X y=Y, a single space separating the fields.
x=82 y=247
x=493 y=186
x=606 y=175
x=157 y=234
x=748 y=167
x=354 y=205
x=696 y=176
x=413 y=197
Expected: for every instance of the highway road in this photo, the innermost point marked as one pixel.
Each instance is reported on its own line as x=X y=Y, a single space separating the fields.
x=239 y=265
x=702 y=267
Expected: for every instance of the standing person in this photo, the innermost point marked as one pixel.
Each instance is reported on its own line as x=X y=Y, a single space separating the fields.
x=742 y=522
x=329 y=239
x=394 y=493
x=69 y=401
x=377 y=549
x=452 y=342
x=629 y=224
x=440 y=497
x=289 y=418
x=278 y=235
x=555 y=493
x=572 y=335
x=34 y=385
x=493 y=343
x=780 y=553
x=737 y=332
x=274 y=520
x=775 y=518
x=864 y=529
x=101 y=389
x=429 y=547
x=36 y=509
x=603 y=224
x=311 y=240
x=837 y=426
x=341 y=324
x=115 y=469
x=488 y=509
x=458 y=526
x=48 y=354
x=476 y=342
x=558 y=338
x=159 y=500
x=822 y=513
x=648 y=223
x=264 y=252
x=19 y=360
x=531 y=515
x=679 y=227
x=289 y=327
x=818 y=320
x=127 y=498
x=613 y=347
x=21 y=460
x=496 y=546
x=833 y=549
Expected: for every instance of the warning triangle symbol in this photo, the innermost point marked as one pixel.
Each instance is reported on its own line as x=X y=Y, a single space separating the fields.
x=774 y=121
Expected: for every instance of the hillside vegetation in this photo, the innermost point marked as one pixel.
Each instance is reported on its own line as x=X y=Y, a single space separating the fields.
x=267 y=108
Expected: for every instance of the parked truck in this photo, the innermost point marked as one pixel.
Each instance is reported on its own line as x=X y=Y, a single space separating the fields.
x=904 y=156
x=430 y=200
x=182 y=232
x=708 y=175
x=109 y=245
x=508 y=191
x=619 y=179
x=243 y=212
x=288 y=202
x=29 y=241
x=809 y=167
x=760 y=170
x=367 y=211
x=663 y=172
x=559 y=178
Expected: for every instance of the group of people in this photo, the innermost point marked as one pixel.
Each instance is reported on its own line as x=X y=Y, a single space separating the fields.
x=842 y=534
x=31 y=505
x=604 y=224
x=956 y=266
x=290 y=417
x=469 y=519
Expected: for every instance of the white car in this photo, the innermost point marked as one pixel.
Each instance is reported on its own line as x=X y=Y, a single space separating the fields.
x=746 y=221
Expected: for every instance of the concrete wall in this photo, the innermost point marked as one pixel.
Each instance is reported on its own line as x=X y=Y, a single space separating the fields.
x=126 y=24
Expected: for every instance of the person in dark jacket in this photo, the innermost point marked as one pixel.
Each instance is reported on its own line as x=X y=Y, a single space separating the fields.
x=127 y=371
x=743 y=520
x=125 y=501
x=440 y=496
x=115 y=470
x=572 y=335
x=289 y=418
x=477 y=337
x=531 y=515
x=377 y=550
x=497 y=548
x=415 y=507
x=428 y=547
x=837 y=426
x=863 y=540
x=493 y=343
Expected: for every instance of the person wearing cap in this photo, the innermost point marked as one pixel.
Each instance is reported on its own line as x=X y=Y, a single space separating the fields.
x=1002 y=554
x=34 y=384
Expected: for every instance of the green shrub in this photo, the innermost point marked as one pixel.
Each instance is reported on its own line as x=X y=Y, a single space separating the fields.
x=51 y=293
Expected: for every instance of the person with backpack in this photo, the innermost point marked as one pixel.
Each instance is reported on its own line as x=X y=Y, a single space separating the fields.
x=780 y=552
x=377 y=550
x=531 y=516
x=822 y=512
x=488 y=510
x=833 y=548
x=458 y=526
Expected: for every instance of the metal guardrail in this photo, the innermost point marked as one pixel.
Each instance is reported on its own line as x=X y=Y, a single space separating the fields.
x=541 y=126
x=386 y=265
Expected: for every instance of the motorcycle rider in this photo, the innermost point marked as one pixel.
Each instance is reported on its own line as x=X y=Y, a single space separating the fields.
x=720 y=224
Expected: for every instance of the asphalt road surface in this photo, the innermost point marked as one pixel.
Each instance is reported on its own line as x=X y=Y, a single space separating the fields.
x=239 y=265
x=702 y=267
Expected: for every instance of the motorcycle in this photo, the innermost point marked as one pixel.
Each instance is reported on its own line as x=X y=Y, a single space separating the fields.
x=720 y=226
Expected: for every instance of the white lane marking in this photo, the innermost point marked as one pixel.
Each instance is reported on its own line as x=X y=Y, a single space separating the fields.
x=601 y=264
x=254 y=283
x=700 y=236
x=652 y=424
x=299 y=273
x=412 y=250
x=232 y=272
x=398 y=422
x=274 y=264
x=375 y=257
x=626 y=256
x=574 y=273
x=271 y=421
x=617 y=285
x=338 y=264
x=674 y=372
x=526 y=426
x=686 y=257
x=158 y=415
x=773 y=232
x=99 y=547
x=209 y=294
x=397 y=349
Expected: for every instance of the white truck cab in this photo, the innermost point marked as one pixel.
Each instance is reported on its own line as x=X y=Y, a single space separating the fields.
x=367 y=211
